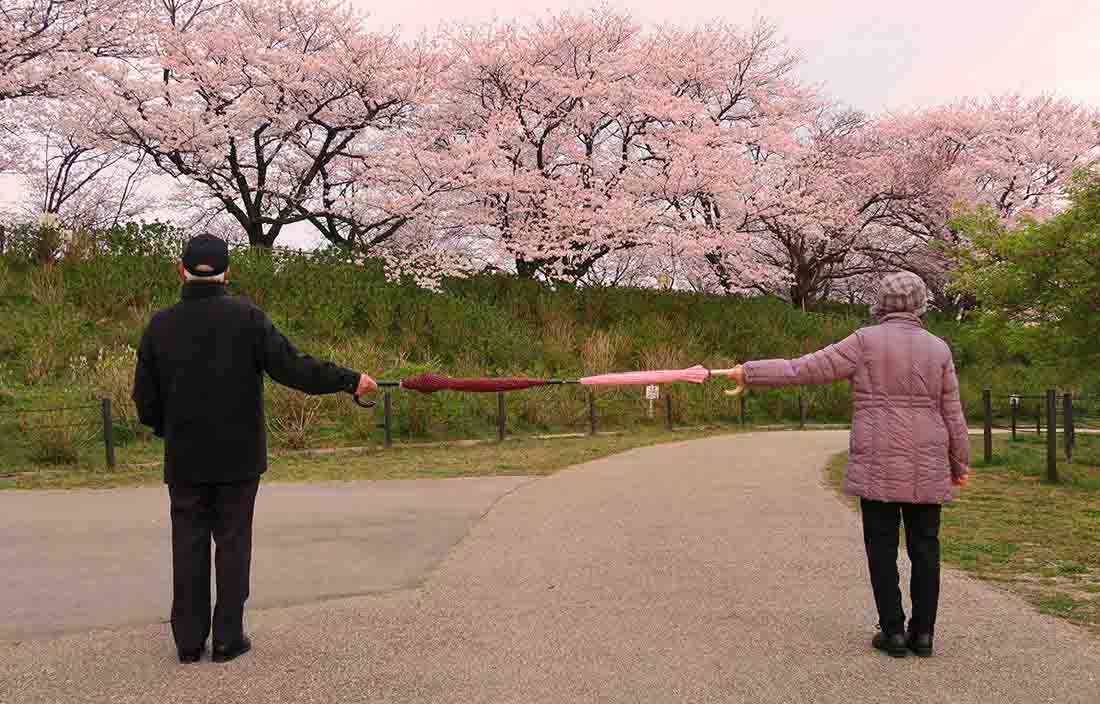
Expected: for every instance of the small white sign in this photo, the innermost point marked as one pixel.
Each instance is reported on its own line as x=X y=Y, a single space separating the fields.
x=652 y=392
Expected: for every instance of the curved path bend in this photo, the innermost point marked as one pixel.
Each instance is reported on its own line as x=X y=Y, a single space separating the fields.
x=718 y=570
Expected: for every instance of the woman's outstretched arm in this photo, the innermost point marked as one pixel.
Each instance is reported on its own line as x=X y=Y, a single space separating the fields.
x=835 y=362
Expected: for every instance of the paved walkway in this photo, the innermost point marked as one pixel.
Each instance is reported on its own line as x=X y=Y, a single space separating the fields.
x=719 y=570
x=71 y=561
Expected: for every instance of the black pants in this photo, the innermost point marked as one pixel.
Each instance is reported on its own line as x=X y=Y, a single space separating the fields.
x=222 y=512
x=922 y=540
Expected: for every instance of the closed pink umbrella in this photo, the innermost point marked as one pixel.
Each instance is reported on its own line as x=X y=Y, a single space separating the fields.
x=696 y=375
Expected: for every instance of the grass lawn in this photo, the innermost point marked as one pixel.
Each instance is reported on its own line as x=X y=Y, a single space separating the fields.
x=1012 y=527
x=520 y=456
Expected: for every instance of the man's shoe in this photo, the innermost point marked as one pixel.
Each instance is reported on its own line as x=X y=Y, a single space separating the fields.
x=892 y=645
x=188 y=657
x=920 y=644
x=225 y=653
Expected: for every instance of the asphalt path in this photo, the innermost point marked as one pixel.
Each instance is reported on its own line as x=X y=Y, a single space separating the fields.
x=717 y=570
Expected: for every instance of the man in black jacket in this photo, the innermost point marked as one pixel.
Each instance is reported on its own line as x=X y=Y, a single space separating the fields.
x=199 y=385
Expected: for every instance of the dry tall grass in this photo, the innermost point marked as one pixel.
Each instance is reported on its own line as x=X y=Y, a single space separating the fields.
x=292 y=416
x=56 y=438
x=601 y=351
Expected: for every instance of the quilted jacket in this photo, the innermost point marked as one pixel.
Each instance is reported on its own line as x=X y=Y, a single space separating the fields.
x=909 y=435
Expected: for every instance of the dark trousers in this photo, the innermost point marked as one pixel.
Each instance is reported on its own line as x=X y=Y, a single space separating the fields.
x=222 y=512
x=881 y=522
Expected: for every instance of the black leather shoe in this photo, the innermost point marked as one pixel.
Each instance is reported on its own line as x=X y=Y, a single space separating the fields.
x=892 y=645
x=188 y=657
x=920 y=644
x=225 y=653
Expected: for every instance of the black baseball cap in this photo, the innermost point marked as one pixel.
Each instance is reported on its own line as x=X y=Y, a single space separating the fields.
x=205 y=255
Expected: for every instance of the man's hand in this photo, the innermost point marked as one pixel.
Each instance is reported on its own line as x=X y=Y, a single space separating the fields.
x=962 y=479
x=366 y=385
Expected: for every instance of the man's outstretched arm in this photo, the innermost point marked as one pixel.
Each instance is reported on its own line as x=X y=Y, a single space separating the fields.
x=290 y=367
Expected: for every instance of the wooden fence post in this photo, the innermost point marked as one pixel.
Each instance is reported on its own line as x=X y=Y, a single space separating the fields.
x=387 y=419
x=987 y=404
x=502 y=420
x=1067 y=419
x=108 y=432
x=1052 y=435
x=801 y=410
x=591 y=412
x=744 y=393
x=1015 y=403
x=668 y=410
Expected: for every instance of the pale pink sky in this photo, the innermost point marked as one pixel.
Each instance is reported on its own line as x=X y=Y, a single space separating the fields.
x=872 y=54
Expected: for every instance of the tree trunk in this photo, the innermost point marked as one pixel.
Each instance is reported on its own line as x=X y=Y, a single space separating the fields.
x=527 y=268
x=725 y=279
x=257 y=237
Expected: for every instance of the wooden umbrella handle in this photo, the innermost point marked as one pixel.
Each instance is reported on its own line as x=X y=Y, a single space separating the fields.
x=728 y=372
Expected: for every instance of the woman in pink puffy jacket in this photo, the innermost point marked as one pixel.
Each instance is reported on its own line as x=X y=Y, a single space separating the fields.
x=909 y=445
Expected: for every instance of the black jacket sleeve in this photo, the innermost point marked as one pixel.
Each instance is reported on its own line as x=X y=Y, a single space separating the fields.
x=146 y=394
x=286 y=365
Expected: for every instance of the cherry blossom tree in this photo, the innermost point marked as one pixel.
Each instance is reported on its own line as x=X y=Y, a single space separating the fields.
x=46 y=48
x=46 y=44
x=865 y=195
x=711 y=166
x=277 y=112
x=558 y=105
x=1014 y=155
x=84 y=186
x=610 y=137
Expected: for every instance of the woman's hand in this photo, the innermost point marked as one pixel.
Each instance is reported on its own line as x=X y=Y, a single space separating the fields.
x=736 y=373
x=962 y=479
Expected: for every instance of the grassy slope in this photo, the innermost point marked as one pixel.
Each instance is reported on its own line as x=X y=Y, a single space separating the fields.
x=51 y=319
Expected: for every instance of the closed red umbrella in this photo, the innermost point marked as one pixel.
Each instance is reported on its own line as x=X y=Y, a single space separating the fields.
x=430 y=383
